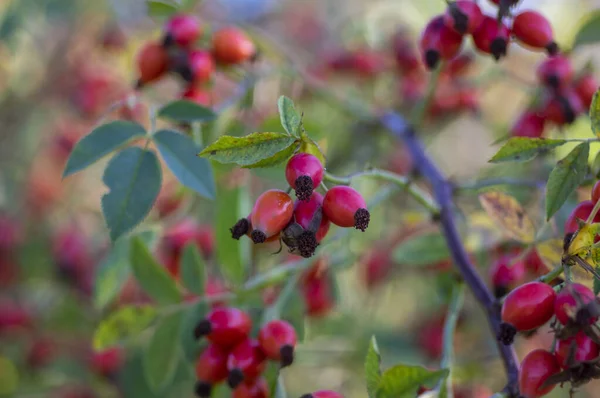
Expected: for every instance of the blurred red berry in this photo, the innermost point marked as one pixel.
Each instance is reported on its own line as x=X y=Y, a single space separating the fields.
x=492 y=38
x=562 y=108
x=41 y=352
x=224 y=326
x=232 y=46
x=245 y=363
x=534 y=30
x=506 y=272
x=582 y=211
x=530 y=124
x=438 y=42
x=152 y=62
x=556 y=71
x=579 y=348
x=183 y=30
x=536 y=368
x=255 y=389
x=107 y=363
x=278 y=339
x=202 y=66
x=463 y=16
x=197 y=95
x=534 y=264
x=211 y=369
x=585 y=87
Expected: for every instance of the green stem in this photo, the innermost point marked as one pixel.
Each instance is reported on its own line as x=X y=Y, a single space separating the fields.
x=456 y=303
x=475 y=185
x=419 y=195
x=592 y=215
x=550 y=276
x=421 y=109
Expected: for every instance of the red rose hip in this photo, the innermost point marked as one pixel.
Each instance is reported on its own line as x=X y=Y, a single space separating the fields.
x=533 y=29
x=438 y=42
x=197 y=95
x=582 y=211
x=304 y=172
x=305 y=214
x=570 y=300
x=224 y=326
x=152 y=63
x=585 y=87
x=277 y=340
x=536 y=368
x=530 y=124
x=245 y=363
x=272 y=211
x=211 y=369
x=492 y=38
x=202 y=66
x=577 y=349
x=232 y=46
x=463 y=16
x=555 y=71
x=182 y=30
x=255 y=389
x=345 y=207
x=505 y=273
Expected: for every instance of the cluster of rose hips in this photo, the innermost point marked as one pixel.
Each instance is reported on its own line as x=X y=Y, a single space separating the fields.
x=233 y=355
x=302 y=224
x=575 y=357
x=564 y=96
x=178 y=53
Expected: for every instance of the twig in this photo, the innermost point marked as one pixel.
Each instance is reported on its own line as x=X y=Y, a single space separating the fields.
x=442 y=190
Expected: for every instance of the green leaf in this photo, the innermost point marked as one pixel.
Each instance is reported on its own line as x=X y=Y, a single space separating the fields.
x=589 y=30
x=185 y=111
x=373 y=368
x=134 y=179
x=233 y=255
x=568 y=174
x=523 y=149
x=192 y=347
x=163 y=353
x=161 y=9
x=311 y=146
x=595 y=114
x=421 y=250
x=100 y=142
x=114 y=270
x=192 y=269
x=404 y=380
x=124 y=324
x=280 y=157
x=179 y=153
x=152 y=277
x=597 y=282
x=290 y=119
x=248 y=150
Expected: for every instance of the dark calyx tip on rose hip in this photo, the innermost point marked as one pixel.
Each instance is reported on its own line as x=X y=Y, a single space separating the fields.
x=168 y=40
x=307 y=396
x=139 y=84
x=552 y=48
x=461 y=21
x=432 y=58
x=203 y=389
x=500 y=291
x=361 y=219
x=258 y=236
x=240 y=228
x=202 y=328
x=507 y=333
x=304 y=187
x=307 y=244
x=235 y=378
x=498 y=47
x=567 y=110
x=287 y=355
x=553 y=81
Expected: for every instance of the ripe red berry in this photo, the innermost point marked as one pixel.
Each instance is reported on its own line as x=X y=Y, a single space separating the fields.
x=277 y=340
x=316 y=288
x=573 y=350
x=492 y=38
x=41 y=352
x=211 y=369
x=536 y=368
x=570 y=300
x=304 y=213
x=272 y=211
x=256 y=389
x=232 y=46
x=582 y=211
x=183 y=30
x=438 y=42
x=585 y=87
x=405 y=54
x=529 y=124
x=304 y=172
x=506 y=271
x=245 y=363
x=562 y=108
x=201 y=65
x=376 y=266
x=534 y=264
x=224 y=326
x=152 y=63
x=555 y=72
x=197 y=95
x=534 y=30
x=463 y=16
x=527 y=307
x=108 y=362
x=345 y=207
x=323 y=394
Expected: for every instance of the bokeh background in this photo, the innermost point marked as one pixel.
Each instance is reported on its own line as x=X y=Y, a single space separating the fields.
x=64 y=64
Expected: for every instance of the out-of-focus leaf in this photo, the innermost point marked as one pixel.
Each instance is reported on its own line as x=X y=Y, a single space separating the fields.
x=405 y=380
x=163 y=353
x=290 y=119
x=161 y=9
x=179 y=152
x=595 y=111
x=185 y=111
x=589 y=30
x=192 y=269
x=122 y=325
x=568 y=174
x=425 y=249
x=509 y=215
x=9 y=377
x=523 y=149
x=550 y=252
x=134 y=179
x=100 y=142
x=152 y=277
x=373 y=368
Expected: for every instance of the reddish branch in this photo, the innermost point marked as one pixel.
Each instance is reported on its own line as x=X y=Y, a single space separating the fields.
x=442 y=190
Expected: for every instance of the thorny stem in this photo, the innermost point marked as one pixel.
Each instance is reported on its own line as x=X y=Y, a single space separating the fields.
x=442 y=188
x=418 y=194
x=456 y=303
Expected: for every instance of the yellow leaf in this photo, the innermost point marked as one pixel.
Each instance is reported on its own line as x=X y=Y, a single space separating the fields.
x=482 y=233
x=509 y=215
x=595 y=114
x=583 y=240
x=550 y=252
